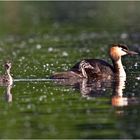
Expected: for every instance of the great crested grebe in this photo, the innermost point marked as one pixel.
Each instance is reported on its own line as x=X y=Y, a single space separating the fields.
x=7 y=78
x=99 y=68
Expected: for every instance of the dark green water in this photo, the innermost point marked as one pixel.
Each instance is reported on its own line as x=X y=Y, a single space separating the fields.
x=46 y=37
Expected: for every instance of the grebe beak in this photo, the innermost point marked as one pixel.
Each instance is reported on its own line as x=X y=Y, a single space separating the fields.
x=90 y=67
x=130 y=52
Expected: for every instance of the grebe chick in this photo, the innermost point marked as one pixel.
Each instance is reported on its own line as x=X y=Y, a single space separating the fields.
x=83 y=66
x=100 y=68
x=81 y=73
x=7 y=78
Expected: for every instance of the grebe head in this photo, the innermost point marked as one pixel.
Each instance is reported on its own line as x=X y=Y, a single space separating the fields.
x=85 y=65
x=8 y=65
x=8 y=79
x=118 y=50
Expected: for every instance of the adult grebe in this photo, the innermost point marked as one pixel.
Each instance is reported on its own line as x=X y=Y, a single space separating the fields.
x=7 y=78
x=99 y=68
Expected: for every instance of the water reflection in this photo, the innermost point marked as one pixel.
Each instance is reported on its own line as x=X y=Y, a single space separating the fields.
x=97 y=88
x=89 y=89
x=118 y=98
x=8 y=94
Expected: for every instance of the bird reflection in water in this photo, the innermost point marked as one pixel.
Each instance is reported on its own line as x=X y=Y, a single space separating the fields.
x=8 y=94
x=118 y=99
x=93 y=88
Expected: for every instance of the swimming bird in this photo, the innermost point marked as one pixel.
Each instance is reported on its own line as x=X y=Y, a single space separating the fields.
x=81 y=73
x=100 y=68
x=6 y=79
x=83 y=66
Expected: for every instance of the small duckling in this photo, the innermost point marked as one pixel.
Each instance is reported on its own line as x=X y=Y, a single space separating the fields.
x=7 y=78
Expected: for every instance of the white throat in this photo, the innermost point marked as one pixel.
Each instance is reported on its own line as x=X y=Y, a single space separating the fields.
x=120 y=68
x=9 y=77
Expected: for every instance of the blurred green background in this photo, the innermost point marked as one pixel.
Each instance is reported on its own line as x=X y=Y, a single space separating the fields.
x=39 y=17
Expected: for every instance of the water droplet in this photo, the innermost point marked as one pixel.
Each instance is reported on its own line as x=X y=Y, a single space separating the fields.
x=41 y=98
x=138 y=78
x=50 y=49
x=65 y=54
x=38 y=46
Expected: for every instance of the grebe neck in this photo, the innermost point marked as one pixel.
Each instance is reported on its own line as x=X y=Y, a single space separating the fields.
x=8 y=72
x=119 y=69
x=84 y=73
x=9 y=76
